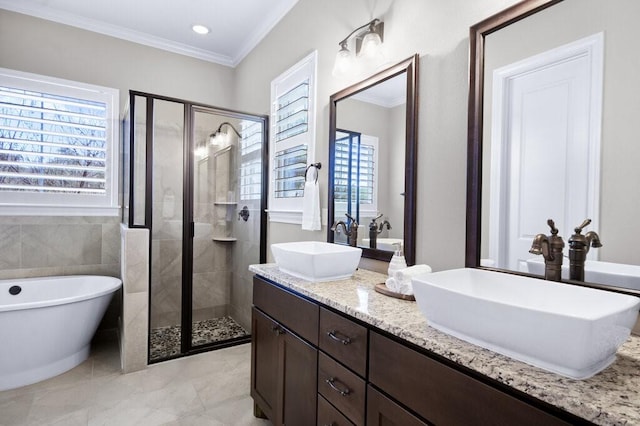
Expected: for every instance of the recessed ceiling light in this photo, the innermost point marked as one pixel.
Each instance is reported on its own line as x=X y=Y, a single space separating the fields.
x=200 y=29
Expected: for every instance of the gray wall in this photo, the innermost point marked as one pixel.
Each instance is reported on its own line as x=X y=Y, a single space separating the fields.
x=439 y=32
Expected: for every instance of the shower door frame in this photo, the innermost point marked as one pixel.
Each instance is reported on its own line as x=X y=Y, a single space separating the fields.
x=186 y=324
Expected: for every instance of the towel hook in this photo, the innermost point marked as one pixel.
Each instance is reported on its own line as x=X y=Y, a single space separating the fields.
x=316 y=166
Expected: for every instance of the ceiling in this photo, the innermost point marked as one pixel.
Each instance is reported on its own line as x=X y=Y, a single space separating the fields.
x=388 y=94
x=236 y=26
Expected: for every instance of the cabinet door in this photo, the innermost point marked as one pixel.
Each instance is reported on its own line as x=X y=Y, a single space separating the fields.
x=381 y=411
x=300 y=381
x=264 y=364
x=444 y=395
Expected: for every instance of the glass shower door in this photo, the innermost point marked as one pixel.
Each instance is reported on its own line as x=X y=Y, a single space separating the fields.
x=196 y=182
x=226 y=224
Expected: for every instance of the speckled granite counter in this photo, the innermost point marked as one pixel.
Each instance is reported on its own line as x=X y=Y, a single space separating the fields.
x=611 y=397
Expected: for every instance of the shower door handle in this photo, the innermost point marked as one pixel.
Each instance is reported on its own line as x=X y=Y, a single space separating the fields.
x=192 y=229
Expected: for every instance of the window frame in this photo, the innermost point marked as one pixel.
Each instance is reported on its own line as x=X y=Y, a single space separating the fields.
x=20 y=203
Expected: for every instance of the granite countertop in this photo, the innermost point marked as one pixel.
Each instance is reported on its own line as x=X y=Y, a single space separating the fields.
x=611 y=397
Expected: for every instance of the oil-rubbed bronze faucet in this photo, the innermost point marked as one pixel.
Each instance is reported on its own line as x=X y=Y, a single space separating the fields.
x=350 y=229
x=374 y=230
x=579 y=246
x=551 y=249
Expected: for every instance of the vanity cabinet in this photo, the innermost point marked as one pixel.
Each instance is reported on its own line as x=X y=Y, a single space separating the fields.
x=312 y=365
x=284 y=364
x=382 y=411
x=443 y=395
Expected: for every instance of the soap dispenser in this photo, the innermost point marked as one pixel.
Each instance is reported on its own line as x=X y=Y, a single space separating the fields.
x=397 y=262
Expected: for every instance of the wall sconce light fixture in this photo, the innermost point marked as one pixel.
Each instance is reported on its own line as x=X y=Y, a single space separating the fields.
x=221 y=137
x=368 y=41
x=201 y=150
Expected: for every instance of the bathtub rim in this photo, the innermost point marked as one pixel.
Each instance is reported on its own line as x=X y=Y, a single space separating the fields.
x=108 y=285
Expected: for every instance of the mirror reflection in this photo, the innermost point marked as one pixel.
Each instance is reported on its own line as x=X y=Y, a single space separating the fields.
x=558 y=138
x=372 y=129
x=369 y=164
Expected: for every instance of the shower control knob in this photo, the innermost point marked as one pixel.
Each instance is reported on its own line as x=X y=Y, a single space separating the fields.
x=244 y=214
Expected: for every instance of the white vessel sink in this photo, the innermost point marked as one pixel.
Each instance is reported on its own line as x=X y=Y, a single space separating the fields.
x=385 y=243
x=570 y=330
x=616 y=274
x=316 y=261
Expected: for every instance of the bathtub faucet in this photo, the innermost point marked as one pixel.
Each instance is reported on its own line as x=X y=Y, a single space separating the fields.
x=579 y=246
x=551 y=249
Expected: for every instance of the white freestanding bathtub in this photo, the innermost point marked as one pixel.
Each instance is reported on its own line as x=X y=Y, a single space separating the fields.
x=46 y=324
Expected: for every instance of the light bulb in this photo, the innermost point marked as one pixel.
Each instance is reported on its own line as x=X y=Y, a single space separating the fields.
x=343 y=61
x=370 y=45
x=201 y=151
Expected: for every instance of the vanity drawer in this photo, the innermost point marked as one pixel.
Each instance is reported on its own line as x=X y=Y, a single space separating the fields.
x=342 y=388
x=297 y=314
x=344 y=340
x=443 y=395
x=381 y=411
x=329 y=416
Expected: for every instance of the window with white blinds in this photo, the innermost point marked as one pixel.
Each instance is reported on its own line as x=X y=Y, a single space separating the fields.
x=58 y=149
x=292 y=138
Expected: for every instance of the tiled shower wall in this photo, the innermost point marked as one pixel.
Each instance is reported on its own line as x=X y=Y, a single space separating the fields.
x=36 y=246
x=246 y=251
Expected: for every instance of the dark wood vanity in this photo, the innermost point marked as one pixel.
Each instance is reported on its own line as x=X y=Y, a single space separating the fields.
x=314 y=365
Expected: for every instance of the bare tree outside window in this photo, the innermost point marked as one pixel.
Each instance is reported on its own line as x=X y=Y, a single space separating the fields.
x=51 y=143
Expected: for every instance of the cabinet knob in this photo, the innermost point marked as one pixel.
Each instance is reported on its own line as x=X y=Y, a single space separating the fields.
x=277 y=329
x=332 y=383
x=334 y=335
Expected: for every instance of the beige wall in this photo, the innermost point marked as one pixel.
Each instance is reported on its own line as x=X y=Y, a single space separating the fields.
x=438 y=31
x=36 y=246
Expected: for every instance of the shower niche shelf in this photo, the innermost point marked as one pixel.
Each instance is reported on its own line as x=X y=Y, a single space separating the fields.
x=225 y=203
x=225 y=239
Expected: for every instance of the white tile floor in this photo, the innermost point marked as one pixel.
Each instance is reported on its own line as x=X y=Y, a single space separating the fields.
x=205 y=389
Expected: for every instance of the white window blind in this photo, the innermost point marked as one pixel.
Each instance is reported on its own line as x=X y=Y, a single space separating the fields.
x=292 y=138
x=57 y=145
x=290 y=165
x=251 y=164
x=292 y=114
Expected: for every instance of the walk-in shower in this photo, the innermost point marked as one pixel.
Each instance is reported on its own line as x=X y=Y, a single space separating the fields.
x=195 y=177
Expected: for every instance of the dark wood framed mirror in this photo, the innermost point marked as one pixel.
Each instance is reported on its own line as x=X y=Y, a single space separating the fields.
x=373 y=160
x=529 y=32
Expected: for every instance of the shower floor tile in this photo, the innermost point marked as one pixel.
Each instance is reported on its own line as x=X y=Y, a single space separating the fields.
x=165 y=341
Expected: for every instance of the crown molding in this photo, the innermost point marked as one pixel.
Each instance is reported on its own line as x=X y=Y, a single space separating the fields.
x=146 y=39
